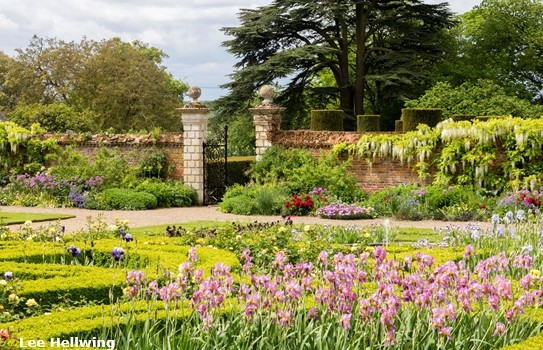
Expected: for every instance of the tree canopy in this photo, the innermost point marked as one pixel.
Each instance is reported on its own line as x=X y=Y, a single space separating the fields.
x=483 y=97
x=502 y=41
x=118 y=85
x=371 y=48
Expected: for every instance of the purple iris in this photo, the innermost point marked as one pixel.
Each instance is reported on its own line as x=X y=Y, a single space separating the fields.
x=74 y=251
x=117 y=253
x=128 y=237
x=8 y=275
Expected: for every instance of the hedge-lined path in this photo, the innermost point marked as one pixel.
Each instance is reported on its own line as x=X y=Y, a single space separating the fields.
x=139 y=218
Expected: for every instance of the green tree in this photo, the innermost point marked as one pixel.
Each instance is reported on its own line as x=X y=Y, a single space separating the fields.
x=358 y=42
x=121 y=85
x=5 y=94
x=481 y=98
x=127 y=88
x=54 y=117
x=500 y=40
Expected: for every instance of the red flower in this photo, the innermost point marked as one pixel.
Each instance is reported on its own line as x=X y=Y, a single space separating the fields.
x=530 y=200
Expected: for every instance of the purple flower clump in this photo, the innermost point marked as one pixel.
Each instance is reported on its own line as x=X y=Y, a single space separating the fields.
x=117 y=253
x=344 y=211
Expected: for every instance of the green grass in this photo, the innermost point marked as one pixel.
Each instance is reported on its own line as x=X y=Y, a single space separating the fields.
x=161 y=229
x=19 y=218
x=413 y=234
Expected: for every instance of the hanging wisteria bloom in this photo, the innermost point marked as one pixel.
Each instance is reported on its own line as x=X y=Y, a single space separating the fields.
x=117 y=253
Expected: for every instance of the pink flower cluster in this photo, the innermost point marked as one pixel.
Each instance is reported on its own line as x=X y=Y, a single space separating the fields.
x=361 y=289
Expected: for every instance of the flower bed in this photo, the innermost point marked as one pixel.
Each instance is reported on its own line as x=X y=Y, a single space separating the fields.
x=342 y=211
x=142 y=288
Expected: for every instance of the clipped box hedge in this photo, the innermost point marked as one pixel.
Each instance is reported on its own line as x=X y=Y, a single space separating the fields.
x=412 y=117
x=368 y=122
x=327 y=120
x=238 y=169
x=463 y=117
x=398 y=125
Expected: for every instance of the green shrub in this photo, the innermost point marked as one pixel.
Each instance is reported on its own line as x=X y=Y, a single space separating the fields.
x=330 y=120
x=412 y=117
x=169 y=194
x=398 y=125
x=126 y=199
x=301 y=173
x=55 y=117
x=254 y=199
x=277 y=162
x=462 y=117
x=153 y=165
x=368 y=123
x=238 y=170
x=111 y=164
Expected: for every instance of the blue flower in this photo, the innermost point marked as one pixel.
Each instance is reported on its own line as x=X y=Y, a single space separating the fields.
x=128 y=237
x=74 y=251
x=495 y=219
x=8 y=275
x=509 y=215
x=521 y=214
x=117 y=253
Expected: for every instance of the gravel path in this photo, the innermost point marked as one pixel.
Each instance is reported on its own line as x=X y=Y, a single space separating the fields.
x=139 y=218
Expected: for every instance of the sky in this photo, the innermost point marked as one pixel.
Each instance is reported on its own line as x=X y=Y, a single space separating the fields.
x=187 y=30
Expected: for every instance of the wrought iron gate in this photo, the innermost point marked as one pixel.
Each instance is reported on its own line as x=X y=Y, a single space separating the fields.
x=215 y=169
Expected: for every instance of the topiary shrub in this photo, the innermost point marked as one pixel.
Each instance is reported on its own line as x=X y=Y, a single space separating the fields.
x=329 y=120
x=398 y=125
x=485 y=118
x=462 y=117
x=238 y=170
x=125 y=199
x=412 y=117
x=368 y=122
x=169 y=194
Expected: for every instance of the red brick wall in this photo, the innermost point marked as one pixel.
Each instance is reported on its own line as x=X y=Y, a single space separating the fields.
x=382 y=173
x=133 y=147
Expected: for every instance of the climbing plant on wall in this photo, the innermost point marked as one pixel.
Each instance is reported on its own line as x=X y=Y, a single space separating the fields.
x=491 y=154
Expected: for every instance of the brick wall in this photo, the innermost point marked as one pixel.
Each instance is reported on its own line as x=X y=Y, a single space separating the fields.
x=133 y=147
x=382 y=173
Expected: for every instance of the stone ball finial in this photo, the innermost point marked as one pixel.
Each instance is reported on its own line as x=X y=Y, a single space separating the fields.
x=194 y=92
x=266 y=92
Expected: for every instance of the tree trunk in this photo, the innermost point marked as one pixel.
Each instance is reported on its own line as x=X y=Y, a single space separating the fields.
x=359 y=86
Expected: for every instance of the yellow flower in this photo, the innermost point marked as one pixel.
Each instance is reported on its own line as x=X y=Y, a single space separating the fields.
x=307 y=228
x=366 y=235
x=28 y=223
x=3 y=236
x=31 y=303
x=112 y=228
x=52 y=230
x=282 y=229
x=13 y=298
x=3 y=282
x=200 y=241
x=535 y=273
x=126 y=222
x=354 y=248
x=370 y=249
x=238 y=237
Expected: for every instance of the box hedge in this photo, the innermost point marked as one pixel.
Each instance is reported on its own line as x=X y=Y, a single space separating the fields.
x=238 y=170
x=412 y=117
x=327 y=120
x=126 y=199
x=368 y=122
x=398 y=125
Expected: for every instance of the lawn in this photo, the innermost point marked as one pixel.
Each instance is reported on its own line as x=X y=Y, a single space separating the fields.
x=19 y=218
